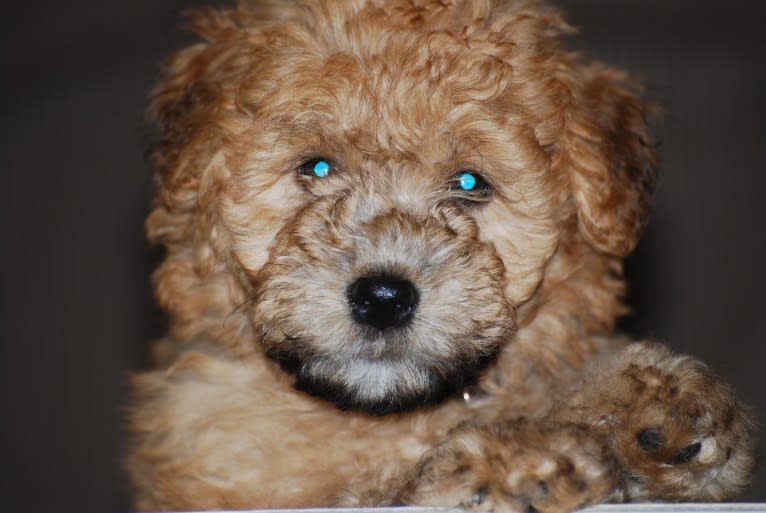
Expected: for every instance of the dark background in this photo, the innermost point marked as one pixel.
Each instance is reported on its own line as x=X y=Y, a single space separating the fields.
x=75 y=305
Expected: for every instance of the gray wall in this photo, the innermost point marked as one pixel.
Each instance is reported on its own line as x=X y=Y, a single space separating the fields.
x=75 y=306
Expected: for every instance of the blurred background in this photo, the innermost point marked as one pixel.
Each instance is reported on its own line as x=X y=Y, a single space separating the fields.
x=75 y=304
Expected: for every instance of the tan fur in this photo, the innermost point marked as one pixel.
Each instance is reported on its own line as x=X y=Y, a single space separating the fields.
x=520 y=287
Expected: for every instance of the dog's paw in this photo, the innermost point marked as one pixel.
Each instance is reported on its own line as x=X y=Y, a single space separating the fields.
x=679 y=431
x=515 y=466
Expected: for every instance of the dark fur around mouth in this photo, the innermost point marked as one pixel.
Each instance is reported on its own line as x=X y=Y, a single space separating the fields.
x=441 y=386
x=346 y=399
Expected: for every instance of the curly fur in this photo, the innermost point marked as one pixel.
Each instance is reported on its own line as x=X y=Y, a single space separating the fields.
x=519 y=289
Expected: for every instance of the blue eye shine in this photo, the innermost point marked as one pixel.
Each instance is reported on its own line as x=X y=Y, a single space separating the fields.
x=321 y=168
x=467 y=181
x=318 y=167
x=470 y=187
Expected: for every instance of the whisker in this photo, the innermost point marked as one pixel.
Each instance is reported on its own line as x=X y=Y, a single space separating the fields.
x=236 y=310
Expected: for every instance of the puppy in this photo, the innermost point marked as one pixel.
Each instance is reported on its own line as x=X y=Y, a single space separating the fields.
x=393 y=233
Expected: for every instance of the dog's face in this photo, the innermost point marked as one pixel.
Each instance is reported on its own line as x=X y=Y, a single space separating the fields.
x=383 y=189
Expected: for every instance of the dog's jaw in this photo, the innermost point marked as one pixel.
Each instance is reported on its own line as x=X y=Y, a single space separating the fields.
x=384 y=385
x=388 y=371
x=375 y=387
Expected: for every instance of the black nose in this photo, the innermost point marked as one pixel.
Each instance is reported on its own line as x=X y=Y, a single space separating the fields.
x=382 y=301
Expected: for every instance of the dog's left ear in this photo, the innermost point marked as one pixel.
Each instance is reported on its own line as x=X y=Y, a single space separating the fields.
x=610 y=158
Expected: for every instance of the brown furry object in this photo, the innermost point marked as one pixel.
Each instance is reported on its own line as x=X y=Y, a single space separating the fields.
x=394 y=233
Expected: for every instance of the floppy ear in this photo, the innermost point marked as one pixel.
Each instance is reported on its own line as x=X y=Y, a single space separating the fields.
x=188 y=107
x=611 y=159
x=180 y=108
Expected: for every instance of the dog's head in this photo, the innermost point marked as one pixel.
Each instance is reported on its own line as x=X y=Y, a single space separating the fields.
x=368 y=191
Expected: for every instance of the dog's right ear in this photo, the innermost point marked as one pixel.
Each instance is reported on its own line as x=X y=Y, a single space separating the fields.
x=174 y=104
x=181 y=108
x=609 y=157
x=190 y=108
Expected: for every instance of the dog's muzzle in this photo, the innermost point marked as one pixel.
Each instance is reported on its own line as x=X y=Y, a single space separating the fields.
x=382 y=302
x=382 y=310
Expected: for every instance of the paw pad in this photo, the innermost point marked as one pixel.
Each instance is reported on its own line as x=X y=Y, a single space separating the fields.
x=650 y=439
x=686 y=454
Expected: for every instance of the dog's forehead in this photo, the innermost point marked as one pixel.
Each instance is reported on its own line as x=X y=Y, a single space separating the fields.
x=395 y=92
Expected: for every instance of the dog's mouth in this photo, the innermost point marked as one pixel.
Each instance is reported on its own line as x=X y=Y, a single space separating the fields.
x=383 y=385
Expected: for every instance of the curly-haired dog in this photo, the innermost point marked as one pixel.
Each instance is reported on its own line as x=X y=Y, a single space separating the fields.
x=394 y=233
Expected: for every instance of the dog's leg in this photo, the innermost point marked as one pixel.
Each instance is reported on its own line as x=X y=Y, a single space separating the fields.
x=677 y=429
x=641 y=424
x=516 y=465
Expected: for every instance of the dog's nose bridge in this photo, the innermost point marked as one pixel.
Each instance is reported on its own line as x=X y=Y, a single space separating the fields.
x=406 y=242
x=394 y=226
x=389 y=186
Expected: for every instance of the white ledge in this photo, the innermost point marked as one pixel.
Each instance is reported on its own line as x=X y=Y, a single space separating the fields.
x=648 y=507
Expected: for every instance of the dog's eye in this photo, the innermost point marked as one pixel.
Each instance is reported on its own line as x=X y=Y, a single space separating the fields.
x=470 y=186
x=318 y=167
